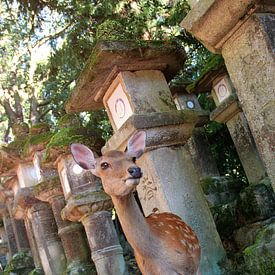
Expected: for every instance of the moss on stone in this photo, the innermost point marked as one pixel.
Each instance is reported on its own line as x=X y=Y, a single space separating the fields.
x=46 y=185
x=97 y=195
x=40 y=128
x=66 y=136
x=77 y=267
x=259 y=258
x=69 y=120
x=214 y=62
x=21 y=263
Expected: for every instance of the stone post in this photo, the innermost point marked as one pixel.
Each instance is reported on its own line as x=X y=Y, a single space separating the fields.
x=9 y=230
x=42 y=221
x=88 y=203
x=20 y=214
x=244 y=33
x=136 y=95
x=229 y=112
x=197 y=145
x=71 y=234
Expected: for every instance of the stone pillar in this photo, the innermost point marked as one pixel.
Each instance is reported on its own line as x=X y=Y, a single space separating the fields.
x=71 y=234
x=20 y=233
x=128 y=79
x=45 y=232
x=197 y=145
x=229 y=112
x=244 y=33
x=9 y=230
x=88 y=203
x=42 y=221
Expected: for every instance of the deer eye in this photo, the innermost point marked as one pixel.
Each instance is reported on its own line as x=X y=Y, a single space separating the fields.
x=134 y=159
x=104 y=165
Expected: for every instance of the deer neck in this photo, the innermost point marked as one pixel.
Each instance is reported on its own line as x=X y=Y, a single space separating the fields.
x=134 y=225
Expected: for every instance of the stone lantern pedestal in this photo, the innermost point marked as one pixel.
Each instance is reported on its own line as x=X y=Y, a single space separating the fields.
x=88 y=203
x=71 y=234
x=41 y=220
x=137 y=97
x=243 y=32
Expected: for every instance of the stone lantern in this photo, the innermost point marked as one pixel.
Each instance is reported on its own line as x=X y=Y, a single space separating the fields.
x=130 y=81
x=41 y=220
x=243 y=32
x=197 y=145
x=49 y=189
x=89 y=204
x=229 y=111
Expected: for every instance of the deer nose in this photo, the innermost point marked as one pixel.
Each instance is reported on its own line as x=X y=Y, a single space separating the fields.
x=135 y=172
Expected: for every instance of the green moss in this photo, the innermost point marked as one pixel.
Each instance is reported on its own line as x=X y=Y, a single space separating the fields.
x=35 y=140
x=258 y=257
x=69 y=120
x=66 y=136
x=46 y=185
x=20 y=263
x=214 y=62
x=78 y=267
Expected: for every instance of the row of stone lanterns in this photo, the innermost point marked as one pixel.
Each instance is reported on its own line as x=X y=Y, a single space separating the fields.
x=45 y=204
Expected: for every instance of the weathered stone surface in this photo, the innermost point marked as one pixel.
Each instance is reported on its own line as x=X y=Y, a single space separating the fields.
x=86 y=204
x=176 y=128
x=75 y=180
x=250 y=62
x=246 y=40
x=260 y=257
x=257 y=202
x=246 y=235
x=203 y=17
x=110 y=57
x=106 y=250
x=220 y=190
x=246 y=148
x=198 y=147
x=226 y=110
x=49 y=244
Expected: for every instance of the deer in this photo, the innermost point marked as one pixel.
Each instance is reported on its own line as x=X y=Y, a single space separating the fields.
x=162 y=243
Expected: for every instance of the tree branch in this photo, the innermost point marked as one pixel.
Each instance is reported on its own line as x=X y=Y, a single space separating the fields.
x=44 y=39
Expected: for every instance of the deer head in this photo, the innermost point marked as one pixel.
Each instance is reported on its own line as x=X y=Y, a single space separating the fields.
x=118 y=171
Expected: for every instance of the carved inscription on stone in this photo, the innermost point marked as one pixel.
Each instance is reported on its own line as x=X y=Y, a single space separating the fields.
x=149 y=189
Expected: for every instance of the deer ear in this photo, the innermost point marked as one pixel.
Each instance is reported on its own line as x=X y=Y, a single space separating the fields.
x=136 y=144
x=83 y=156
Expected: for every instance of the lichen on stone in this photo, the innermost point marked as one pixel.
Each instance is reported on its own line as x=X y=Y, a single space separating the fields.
x=21 y=263
x=78 y=267
x=49 y=184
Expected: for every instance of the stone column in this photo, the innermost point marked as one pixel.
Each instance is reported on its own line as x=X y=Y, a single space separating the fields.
x=87 y=203
x=229 y=112
x=42 y=222
x=244 y=33
x=197 y=145
x=71 y=234
x=45 y=232
x=9 y=230
x=131 y=81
